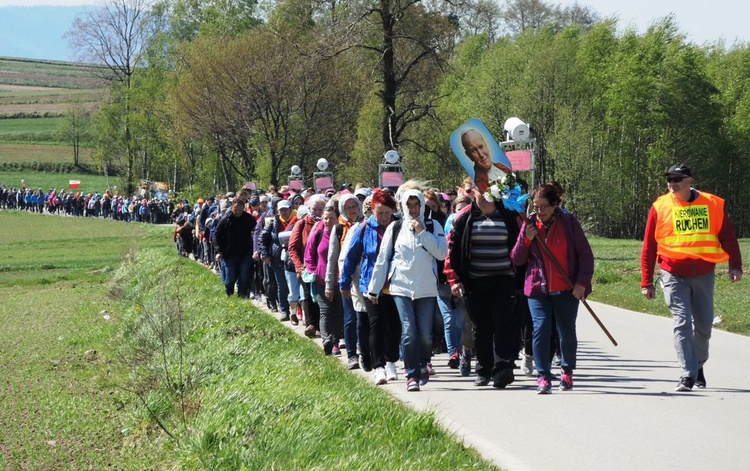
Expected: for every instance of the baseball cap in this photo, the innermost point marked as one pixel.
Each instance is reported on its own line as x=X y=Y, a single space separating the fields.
x=284 y=204
x=679 y=169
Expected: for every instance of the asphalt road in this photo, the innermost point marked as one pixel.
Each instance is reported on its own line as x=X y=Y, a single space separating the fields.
x=623 y=412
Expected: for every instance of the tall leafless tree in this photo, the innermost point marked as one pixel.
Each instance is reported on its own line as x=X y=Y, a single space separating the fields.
x=114 y=35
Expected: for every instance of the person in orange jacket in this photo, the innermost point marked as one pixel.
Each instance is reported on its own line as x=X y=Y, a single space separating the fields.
x=687 y=234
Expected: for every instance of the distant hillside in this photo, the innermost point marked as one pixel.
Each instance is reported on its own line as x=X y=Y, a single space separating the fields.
x=37 y=32
x=35 y=96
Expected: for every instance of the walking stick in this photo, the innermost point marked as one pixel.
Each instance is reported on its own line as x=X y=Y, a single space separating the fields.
x=557 y=265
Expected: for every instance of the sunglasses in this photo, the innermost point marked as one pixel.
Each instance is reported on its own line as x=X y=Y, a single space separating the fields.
x=675 y=179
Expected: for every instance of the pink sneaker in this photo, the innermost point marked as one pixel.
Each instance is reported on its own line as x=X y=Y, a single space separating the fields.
x=543 y=386
x=566 y=381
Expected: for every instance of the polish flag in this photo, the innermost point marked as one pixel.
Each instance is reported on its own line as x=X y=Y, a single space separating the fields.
x=74 y=183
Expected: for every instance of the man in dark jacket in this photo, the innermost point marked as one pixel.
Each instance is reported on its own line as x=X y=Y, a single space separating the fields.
x=234 y=248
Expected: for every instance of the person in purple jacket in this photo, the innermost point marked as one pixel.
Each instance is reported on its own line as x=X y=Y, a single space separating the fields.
x=316 y=261
x=551 y=293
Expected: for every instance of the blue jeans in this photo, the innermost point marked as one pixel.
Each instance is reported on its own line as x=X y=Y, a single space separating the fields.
x=296 y=293
x=416 y=332
x=453 y=319
x=282 y=290
x=350 y=326
x=564 y=308
x=238 y=269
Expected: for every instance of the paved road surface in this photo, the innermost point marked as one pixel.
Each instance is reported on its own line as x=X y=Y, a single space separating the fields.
x=623 y=412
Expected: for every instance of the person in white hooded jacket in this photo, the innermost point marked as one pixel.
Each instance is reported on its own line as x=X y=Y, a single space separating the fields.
x=408 y=262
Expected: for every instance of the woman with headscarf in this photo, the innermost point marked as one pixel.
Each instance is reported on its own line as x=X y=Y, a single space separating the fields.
x=408 y=262
x=350 y=209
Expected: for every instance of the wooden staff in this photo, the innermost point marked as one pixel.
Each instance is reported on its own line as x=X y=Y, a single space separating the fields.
x=557 y=265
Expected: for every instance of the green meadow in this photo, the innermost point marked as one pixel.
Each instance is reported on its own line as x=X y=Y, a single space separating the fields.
x=58 y=181
x=122 y=355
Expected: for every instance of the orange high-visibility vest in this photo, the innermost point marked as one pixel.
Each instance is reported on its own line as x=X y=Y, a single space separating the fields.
x=690 y=230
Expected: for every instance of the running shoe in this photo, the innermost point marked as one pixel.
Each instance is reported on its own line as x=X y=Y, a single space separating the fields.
x=686 y=384
x=391 y=373
x=543 y=386
x=566 y=381
x=700 y=381
x=380 y=376
x=454 y=361
x=527 y=365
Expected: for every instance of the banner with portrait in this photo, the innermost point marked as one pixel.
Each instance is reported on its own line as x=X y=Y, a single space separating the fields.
x=479 y=153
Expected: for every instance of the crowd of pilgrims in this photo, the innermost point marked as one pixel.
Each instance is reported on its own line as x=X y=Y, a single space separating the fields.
x=399 y=276
x=153 y=210
x=385 y=276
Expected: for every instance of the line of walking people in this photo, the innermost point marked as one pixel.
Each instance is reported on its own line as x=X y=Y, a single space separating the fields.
x=369 y=270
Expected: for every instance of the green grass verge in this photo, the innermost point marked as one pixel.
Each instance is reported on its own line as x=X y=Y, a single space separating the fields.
x=617 y=281
x=61 y=407
x=238 y=390
x=45 y=181
x=234 y=387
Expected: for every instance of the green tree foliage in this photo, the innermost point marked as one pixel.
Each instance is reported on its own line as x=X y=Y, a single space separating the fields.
x=255 y=97
x=232 y=91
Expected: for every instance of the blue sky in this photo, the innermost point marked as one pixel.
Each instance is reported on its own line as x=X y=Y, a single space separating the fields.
x=38 y=33
x=702 y=21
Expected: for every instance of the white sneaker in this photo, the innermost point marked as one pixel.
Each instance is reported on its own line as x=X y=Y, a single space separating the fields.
x=380 y=376
x=527 y=365
x=390 y=371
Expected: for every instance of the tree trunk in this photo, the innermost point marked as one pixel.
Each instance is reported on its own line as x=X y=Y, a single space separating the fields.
x=390 y=87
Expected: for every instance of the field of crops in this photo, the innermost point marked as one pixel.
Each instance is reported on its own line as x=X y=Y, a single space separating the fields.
x=35 y=97
x=20 y=152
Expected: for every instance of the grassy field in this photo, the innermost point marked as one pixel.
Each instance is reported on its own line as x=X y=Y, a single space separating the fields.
x=48 y=73
x=61 y=408
x=54 y=153
x=617 y=279
x=34 y=97
x=234 y=388
x=59 y=181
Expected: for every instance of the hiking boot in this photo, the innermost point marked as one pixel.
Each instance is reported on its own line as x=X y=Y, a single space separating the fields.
x=503 y=378
x=353 y=363
x=527 y=365
x=391 y=373
x=464 y=364
x=686 y=384
x=380 y=376
x=566 y=381
x=310 y=331
x=700 y=381
x=454 y=361
x=543 y=386
x=481 y=381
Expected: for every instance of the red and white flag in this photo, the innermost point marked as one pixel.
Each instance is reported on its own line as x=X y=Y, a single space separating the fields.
x=74 y=183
